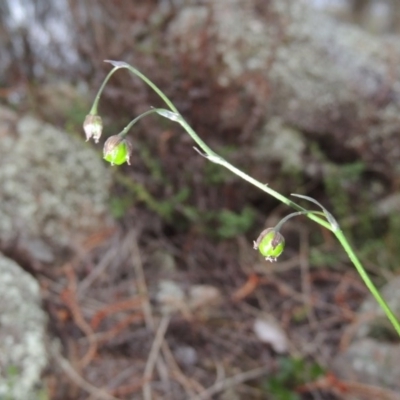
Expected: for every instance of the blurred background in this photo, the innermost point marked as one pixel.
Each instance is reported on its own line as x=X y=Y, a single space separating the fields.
x=141 y=282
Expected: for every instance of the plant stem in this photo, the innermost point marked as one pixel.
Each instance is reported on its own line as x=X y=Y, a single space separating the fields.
x=124 y=131
x=214 y=157
x=367 y=280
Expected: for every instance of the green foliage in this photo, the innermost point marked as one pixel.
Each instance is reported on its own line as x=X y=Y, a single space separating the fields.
x=337 y=181
x=119 y=205
x=152 y=163
x=292 y=372
x=229 y=224
x=319 y=257
x=233 y=224
x=138 y=192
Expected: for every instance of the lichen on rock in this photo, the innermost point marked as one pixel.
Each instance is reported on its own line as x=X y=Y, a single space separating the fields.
x=54 y=187
x=23 y=354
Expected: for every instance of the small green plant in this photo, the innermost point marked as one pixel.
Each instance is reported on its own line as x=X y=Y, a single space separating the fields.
x=292 y=372
x=233 y=224
x=120 y=151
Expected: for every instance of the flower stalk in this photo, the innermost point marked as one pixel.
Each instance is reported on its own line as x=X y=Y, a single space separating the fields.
x=274 y=244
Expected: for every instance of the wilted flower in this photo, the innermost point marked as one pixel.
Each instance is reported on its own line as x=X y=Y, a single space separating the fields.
x=93 y=126
x=117 y=150
x=270 y=244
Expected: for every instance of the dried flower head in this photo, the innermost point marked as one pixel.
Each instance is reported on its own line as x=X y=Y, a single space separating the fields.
x=93 y=127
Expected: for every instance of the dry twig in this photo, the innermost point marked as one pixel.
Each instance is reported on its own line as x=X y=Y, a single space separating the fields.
x=69 y=298
x=76 y=378
x=146 y=306
x=154 y=352
x=233 y=381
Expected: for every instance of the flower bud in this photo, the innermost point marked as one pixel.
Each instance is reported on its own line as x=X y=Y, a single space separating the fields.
x=117 y=150
x=270 y=244
x=93 y=126
x=173 y=116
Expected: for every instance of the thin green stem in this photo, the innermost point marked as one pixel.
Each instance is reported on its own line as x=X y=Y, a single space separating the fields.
x=153 y=86
x=214 y=157
x=125 y=131
x=364 y=276
x=292 y=215
x=264 y=187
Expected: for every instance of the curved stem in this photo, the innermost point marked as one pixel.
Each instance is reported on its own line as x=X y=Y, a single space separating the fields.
x=124 y=131
x=295 y=214
x=214 y=157
x=152 y=85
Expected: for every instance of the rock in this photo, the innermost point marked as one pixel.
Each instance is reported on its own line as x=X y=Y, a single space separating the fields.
x=280 y=142
x=164 y=260
x=170 y=296
x=54 y=187
x=371 y=362
x=23 y=355
x=388 y=205
x=201 y=296
x=268 y=331
x=202 y=299
x=186 y=355
x=372 y=357
x=321 y=77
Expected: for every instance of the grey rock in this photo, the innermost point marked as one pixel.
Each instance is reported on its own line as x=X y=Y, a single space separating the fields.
x=388 y=205
x=23 y=354
x=170 y=296
x=318 y=75
x=371 y=362
x=186 y=355
x=279 y=142
x=54 y=187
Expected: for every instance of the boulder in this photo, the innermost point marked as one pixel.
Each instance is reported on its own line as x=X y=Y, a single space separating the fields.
x=54 y=187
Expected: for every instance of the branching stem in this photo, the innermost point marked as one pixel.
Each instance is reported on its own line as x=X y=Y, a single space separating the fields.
x=328 y=223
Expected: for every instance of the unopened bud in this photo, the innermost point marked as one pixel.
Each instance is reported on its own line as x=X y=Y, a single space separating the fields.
x=117 y=150
x=270 y=244
x=93 y=126
x=173 y=116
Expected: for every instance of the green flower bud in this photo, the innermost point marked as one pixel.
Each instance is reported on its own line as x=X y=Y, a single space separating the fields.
x=270 y=244
x=117 y=150
x=93 y=126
